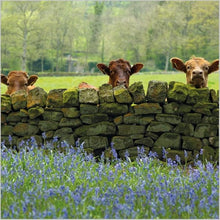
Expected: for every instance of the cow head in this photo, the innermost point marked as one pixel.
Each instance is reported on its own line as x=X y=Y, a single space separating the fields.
x=18 y=80
x=119 y=71
x=197 y=70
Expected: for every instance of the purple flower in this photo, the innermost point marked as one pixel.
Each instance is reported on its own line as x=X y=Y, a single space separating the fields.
x=201 y=152
x=10 y=139
x=115 y=155
x=185 y=154
x=178 y=159
x=153 y=154
x=164 y=153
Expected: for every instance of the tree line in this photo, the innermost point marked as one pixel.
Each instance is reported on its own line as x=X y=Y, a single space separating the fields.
x=73 y=36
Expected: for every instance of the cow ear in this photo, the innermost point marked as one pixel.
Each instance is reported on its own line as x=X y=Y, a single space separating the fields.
x=32 y=79
x=103 y=68
x=178 y=64
x=4 y=79
x=136 y=68
x=214 y=66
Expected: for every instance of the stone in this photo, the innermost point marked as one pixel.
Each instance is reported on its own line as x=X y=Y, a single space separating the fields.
x=155 y=126
x=208 y=153
x=48 y=125
x=118 y=120
x=106 y=93
x=25 y=129
x=94 y=142
x=147 y=141
x=3 y=118
x=131 y=118
x=198 y=95
x=130 y=129
x=157 y=91
x=120 y=142
x=113 y=109
x=177 y=92
x=210 y=120
x=205 y=130
x=55 y=98
x=86 y=109
x=172 y=119
x=71 y=97
x=137 y=92
x=70 y=122
x=93 y=118
x=23 y=113
x=71 y=112
x=152 y=135
x=185 y=129
x=214 y=141
x=14 y=117
x=9 y=142
x=204 y=108
x=35 y=112
x=215 y=112
x=19 y=99
x=193 y=118
x=183 y=108
x=136 y=136
x=169 y=140
x=147 y=108
x=6 y=103
x=6 y=130
x=122 y=95
x=62 y=131
x=191 y=143
x=101 y=128
x=49 y=134
x=36 y=97
x=214 y=97
x=88 y=96
x=69 y=139
x=171 y=108
x=52 y=115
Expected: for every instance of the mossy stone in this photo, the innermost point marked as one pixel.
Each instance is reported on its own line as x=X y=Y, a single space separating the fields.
x=147 y=141
x=70 y=122
x=101 y=128
x=172 y=119
x=171 y=108
x=6 y=130
x=185 y=129
x=93 y=118
x=6 y=103
x=88 y=96
x=25 y=129
x=113 y=109
x=19 y=99
x=147 y=108
x=209 y=153
x=62 y=131
x=35 y=112
x=169 y=140
x=86 y=109
x=120 y=142
x=14 y=117
x=157 y=91
x=214 y=97
x=198 y=95
x=106 y=93
x=122 y=95
x=94 y=142
x=48 y=125
x=193 y=118
x=156 y=126
x=71 y=112
x=205 y=130
x=71 y=97
x=177 y=92
x=55 y=98
x=36 y=97
x=52 y=115
x=130 y=129
x=137 y=92
x=191 y=143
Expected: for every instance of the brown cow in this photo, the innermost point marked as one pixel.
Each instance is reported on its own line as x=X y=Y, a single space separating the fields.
x=119 y=71
x=197 y=70
x=18 y=80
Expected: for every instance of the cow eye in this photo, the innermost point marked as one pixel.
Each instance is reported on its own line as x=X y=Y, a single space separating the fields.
x=188 y=67
x=26 y=84
x=206 y=68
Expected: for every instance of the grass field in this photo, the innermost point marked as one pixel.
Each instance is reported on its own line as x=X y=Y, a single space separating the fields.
x=49 y=83
x=46 y=183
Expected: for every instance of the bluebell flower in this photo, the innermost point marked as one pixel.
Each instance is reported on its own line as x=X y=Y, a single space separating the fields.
x=10 y=139
x=178 y=159
x=115 y=155
x=201 y=152
x=153 y=154
x=185 y=154
x=164 y=152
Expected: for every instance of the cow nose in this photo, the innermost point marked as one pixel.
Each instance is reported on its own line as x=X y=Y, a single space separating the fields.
x=197 y=72
x=119 y=83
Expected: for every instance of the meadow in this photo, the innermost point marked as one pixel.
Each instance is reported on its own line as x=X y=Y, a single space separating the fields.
x=69 y=183
x=49 y=83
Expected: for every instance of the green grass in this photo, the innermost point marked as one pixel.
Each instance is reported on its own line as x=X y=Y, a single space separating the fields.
x=49 y=83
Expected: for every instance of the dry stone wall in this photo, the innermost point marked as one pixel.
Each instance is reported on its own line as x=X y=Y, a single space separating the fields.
x=178 y=117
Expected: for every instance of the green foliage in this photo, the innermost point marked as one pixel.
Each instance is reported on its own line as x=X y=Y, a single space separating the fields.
x=72 y=34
